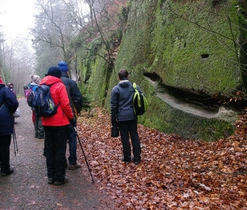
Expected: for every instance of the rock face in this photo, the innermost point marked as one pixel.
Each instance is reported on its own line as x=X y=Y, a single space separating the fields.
x=186 y=57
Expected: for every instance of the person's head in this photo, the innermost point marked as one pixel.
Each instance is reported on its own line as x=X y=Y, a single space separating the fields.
x=10 y=85
x=54 y=71
x=25 y=87
x=35 y=79
x=123 y=74
x=63 y=66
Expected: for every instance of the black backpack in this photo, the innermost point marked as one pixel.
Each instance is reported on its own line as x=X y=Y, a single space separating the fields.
x=140 y=103
x=43 y=103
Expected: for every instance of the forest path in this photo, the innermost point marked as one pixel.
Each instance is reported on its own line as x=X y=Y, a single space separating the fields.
x=27 y=187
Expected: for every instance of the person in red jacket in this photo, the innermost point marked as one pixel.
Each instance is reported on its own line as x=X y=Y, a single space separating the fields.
x=56 y=128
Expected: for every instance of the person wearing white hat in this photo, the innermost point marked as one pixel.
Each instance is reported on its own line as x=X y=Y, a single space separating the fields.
x=38 y=128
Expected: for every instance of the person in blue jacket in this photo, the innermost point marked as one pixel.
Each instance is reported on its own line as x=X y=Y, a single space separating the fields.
x=8 y=105
x=75 y=98
x=38 y=128
x=124 y=117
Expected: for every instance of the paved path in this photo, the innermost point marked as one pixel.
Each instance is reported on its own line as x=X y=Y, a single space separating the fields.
x=27 y=187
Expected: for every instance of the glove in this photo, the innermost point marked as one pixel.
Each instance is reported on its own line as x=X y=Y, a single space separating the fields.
x=114 y=122
x=73 y=121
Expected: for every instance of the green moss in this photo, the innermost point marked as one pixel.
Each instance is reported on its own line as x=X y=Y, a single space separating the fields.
x=182 y=34
x=169 y=39
x=170 y=120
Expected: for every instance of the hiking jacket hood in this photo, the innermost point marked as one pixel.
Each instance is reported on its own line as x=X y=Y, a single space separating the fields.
x=74 y=93
x=122 y=101
x=60 y=98
x=8 y=105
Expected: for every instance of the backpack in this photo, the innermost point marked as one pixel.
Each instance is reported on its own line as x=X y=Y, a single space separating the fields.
x=140 y=103
x=30 y=97
x=43 y=103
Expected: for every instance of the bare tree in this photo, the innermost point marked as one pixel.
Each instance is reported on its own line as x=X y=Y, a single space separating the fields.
x=57 y=23
x=1 y=56
x=20 y=61
x=16 y=61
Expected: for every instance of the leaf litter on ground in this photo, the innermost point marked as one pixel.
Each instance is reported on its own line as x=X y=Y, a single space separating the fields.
x=174 y=173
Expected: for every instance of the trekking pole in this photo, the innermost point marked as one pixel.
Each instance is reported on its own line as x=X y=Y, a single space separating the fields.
x=84 y=155
x=15 y=141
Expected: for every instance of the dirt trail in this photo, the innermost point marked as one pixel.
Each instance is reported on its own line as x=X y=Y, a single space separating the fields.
x=27 y=187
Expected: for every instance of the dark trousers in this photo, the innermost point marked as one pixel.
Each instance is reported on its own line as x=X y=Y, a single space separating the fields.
x=130 y=128
x=72 y=144
x=4 y=152
x=55 y=144
x=38 y=128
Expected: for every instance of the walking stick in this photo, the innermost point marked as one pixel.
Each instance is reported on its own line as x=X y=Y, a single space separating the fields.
x=84 y=155
x=15 y=141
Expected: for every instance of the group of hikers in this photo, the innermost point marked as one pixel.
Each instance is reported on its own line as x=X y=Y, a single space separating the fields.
x=56 y=130
x=60 y=128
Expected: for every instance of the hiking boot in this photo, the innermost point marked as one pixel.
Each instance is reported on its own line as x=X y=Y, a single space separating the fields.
x=73 y=166
x=126 y=161
x=11 y=170
x=50 y=180
x=61 y=182
x=136 y=161
x=41 y=137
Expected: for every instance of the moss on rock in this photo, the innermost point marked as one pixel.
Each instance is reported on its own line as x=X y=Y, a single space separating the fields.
x=190 y=46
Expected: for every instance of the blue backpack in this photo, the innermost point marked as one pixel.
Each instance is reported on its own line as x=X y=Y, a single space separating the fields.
x=43 y=103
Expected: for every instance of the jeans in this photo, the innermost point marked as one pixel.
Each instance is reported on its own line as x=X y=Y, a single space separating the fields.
x=55 y=144
x=126 y=128
x=4 y=152
x=72 y=144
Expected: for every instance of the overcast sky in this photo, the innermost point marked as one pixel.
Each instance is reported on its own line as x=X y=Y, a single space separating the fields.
x=16 y=17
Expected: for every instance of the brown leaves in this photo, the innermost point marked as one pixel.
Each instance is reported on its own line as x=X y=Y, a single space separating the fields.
x=174 y=173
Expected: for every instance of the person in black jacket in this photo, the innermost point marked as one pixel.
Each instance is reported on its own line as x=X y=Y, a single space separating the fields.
x=123 y=116
x=8 y=105
x=75 y=98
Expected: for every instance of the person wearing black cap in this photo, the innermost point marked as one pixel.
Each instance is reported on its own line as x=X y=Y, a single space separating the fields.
x=56 y=128
x=123 y=116
x=75 y=98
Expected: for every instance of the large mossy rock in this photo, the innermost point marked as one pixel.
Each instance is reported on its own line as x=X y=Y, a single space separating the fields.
x=191 y=46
